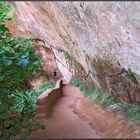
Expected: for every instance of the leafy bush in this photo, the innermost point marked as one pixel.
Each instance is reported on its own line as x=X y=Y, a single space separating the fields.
x=24 y=101
x=89 y=92
x=133 y=112
x=75 y=82
x=129 y=73
x=104 y=99
x=17 y=112
x=18 y=65
x=66 y=55
x=46 y=85
x=4 y=10
x=83 y=88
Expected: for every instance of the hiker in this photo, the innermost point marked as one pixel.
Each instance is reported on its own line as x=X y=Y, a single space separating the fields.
x=54 y=76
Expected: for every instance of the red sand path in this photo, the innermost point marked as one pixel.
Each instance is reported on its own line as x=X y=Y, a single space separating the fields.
x=74 y=117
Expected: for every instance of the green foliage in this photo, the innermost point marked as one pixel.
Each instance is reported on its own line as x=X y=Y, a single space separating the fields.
x=18 y=65
x=46 y=85
x=24 y=101
x=75 y=82
x=82 y=88
x=89 y=92
x=66 y=55
x=118 y=63
x=129 y=73
x=23 y=104
x=133 y=112
x=104 y=99
x=132 y=76
x=4 y=10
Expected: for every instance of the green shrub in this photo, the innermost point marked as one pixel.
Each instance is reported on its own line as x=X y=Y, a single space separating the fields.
x=89 y=92
x=66 y=55
x=129 y=73
x=104 y=99
x=75 y=82
x=46 y=85
x=18 y=65
x=23 y=104
x=82 y=88
x=25 y=101
x=133 y=112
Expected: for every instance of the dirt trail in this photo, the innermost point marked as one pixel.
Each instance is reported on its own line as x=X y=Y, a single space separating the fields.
x=73 y=117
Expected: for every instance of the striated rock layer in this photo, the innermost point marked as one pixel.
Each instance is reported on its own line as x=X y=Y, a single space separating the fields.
x=95 y=34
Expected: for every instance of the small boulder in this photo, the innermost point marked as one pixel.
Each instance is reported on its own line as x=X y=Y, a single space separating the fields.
x=115 y=107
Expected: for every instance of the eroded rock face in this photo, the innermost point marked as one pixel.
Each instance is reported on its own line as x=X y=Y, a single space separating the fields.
x=109 y=30
x=91 y=32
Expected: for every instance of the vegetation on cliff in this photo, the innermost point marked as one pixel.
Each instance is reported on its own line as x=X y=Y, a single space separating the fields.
x=105 y=100
x=18 y=65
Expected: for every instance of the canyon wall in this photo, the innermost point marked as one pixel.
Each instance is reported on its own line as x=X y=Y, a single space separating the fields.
x=98 y=35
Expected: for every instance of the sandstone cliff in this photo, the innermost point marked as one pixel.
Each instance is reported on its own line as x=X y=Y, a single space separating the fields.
x=97 y=35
